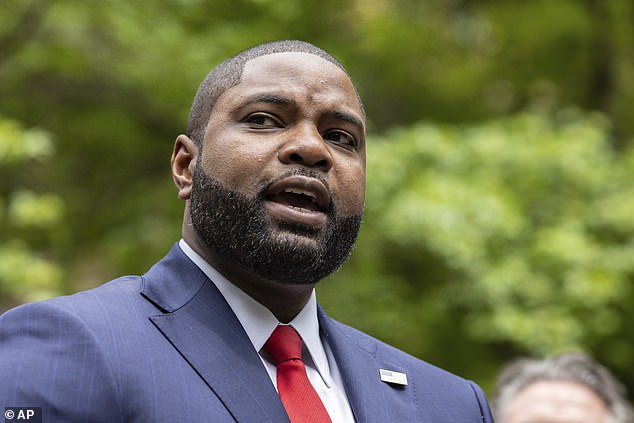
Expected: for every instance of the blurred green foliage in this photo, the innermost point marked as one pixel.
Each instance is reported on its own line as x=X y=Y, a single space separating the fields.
x=500 y=167
x=28 y=271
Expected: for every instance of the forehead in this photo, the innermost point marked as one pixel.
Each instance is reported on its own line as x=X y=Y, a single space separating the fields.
x=304 y=77
x=557 y=401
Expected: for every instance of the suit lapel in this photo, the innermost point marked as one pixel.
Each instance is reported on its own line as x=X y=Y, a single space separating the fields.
x=371 y=399
x=208 y=335
x=199 y=323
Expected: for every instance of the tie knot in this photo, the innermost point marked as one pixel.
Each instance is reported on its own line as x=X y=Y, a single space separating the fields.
x=284 y=344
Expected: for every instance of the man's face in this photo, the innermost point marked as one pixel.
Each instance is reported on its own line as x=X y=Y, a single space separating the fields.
x=556 y=402
x=280 y=181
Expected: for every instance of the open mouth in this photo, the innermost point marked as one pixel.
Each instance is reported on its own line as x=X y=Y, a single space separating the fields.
x=299 y=198
x=296 y=198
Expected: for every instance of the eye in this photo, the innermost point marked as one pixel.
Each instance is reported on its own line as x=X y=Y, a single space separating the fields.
x=341 y=137
x=263 y=120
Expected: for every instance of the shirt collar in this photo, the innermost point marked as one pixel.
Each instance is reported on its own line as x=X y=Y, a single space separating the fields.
x=258 y=322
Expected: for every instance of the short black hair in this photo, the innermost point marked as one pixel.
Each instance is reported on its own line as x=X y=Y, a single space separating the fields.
x=228 y=74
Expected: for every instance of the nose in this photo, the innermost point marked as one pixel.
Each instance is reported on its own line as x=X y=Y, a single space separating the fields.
x=306 y=147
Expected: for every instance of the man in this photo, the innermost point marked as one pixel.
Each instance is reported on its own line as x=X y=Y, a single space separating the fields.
x=272 y=173
x=571 y=388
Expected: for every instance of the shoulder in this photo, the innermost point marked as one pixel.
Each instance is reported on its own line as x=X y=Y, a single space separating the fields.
x=450 y=394
x=105 y=299
x=55 y=351
x=384 y=351
x=86 y=326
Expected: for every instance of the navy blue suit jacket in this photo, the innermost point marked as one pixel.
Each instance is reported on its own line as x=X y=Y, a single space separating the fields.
x=166 y=347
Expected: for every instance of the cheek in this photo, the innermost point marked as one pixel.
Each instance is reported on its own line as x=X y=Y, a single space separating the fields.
x=235 y=164
x=352 y=192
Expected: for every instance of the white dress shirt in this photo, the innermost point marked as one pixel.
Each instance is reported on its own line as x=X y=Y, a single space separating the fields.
x=258 y=322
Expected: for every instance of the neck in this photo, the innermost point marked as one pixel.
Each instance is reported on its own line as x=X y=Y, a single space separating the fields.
x=284 y=300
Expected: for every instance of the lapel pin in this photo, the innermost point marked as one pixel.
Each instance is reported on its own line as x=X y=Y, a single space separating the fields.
x=391 y=376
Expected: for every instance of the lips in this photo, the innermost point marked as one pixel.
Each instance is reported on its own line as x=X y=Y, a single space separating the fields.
x=299 y=198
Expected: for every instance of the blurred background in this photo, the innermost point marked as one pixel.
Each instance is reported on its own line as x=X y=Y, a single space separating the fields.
x=500 y=201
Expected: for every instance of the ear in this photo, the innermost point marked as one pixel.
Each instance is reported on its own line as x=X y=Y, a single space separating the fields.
x=183 y=164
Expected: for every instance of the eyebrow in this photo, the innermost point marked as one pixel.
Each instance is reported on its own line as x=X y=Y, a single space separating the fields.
x=269 y=98
x=347 y=117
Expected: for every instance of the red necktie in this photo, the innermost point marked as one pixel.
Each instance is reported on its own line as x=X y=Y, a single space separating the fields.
x=300 y=399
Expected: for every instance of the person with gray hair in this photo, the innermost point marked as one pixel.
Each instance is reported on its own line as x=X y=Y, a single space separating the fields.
x=569 y=388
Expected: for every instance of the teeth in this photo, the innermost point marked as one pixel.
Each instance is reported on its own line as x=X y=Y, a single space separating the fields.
x=301 y=191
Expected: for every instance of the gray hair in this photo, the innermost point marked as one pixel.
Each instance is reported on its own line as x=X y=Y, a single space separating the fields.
x=571 y=367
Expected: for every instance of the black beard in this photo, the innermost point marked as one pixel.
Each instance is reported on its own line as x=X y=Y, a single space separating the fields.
x=237 y=229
